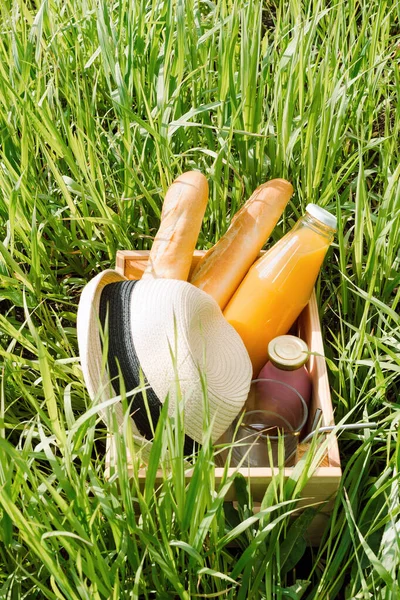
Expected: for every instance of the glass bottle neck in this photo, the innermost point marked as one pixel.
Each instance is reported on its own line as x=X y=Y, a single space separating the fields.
x=311 y=222
x=285 y=367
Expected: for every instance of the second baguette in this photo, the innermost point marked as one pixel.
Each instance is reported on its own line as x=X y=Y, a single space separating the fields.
x=223 y=267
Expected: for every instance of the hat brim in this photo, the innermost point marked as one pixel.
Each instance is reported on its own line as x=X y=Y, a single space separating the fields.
x=94 y=367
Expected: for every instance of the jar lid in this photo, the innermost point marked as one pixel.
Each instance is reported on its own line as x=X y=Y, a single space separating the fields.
x=322 y=215
x=288 y=352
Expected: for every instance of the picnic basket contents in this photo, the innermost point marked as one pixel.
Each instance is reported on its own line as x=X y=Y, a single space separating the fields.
x=162 y=327
x=288 y=355
x=279 y=284
x=182 y=214
x=283 y=385
x=223 y=267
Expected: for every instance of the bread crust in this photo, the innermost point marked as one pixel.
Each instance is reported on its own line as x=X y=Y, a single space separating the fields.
x=223 y=267
x=181 y=218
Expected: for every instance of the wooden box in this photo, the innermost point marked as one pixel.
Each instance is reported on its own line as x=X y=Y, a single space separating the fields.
x=324 y=483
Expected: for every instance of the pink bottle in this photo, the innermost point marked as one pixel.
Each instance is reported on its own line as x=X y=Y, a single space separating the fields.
x=287 y=357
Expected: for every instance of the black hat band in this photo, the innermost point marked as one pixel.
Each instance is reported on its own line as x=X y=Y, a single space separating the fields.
x=115 y=304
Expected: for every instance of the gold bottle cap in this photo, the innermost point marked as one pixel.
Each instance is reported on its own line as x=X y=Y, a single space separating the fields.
x=288 y=352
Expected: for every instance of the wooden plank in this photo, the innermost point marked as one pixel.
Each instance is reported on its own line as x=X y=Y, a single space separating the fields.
x=132 y=263
x=320 y=488
x=309 y=329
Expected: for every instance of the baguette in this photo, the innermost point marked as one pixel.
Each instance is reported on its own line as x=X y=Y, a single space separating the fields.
x=182 y=214
x=223 y=267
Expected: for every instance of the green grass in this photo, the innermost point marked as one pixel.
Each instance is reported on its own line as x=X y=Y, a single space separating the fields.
x=102 y=105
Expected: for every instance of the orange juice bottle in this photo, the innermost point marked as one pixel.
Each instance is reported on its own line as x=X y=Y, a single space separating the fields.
x=279 y=284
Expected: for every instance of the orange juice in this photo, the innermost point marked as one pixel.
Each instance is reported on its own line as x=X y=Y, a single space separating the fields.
x=279 y=284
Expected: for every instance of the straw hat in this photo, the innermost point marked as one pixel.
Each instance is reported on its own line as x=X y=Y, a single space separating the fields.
x=164 y=330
